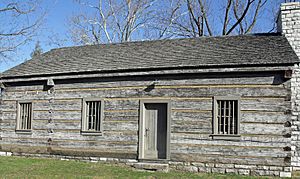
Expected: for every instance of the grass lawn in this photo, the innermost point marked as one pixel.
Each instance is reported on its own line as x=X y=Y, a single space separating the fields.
x=17 y=167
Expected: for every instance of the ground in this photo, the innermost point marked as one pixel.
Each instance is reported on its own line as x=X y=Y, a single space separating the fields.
x=18 y=167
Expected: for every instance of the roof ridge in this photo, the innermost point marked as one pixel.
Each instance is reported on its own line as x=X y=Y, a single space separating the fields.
x=161 y=40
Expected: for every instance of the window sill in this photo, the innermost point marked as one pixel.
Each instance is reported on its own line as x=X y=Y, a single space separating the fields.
x=225 y=137
x=91 y=133
x=29 y=132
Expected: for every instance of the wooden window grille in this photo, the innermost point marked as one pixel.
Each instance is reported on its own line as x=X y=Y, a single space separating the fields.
x=226 y=116
x=24 y=121
x=92 y=116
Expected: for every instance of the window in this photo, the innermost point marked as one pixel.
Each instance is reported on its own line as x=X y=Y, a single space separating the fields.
x=226 y=117
x=92 y=116
x=24 y=117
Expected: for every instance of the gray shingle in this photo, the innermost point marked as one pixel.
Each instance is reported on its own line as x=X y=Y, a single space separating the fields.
x=259 y=49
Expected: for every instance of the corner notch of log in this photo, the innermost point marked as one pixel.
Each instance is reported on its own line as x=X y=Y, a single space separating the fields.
x=288 y=74
x=50 y=83
x=2 y=86
x=49 y=86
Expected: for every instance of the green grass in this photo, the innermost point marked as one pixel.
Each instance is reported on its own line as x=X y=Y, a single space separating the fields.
x=18 y=167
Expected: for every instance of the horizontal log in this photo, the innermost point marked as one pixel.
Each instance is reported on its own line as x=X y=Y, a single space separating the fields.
x=121 y=104
x=267 y=78
x=42 y=149
x=245 y=140
x=25 y=142
x=190 y=116
x=74 y=137
x=255 y=128
x=228 y=150
x=107 y=126
x=83 y=152
x=72 y=115
x=113 y=152
x=264 y=104
x=241 y=143
x=161 y=91
x=203 y=127
x=97 y=146
x=11 y=115
x=260 y=117
x=245 y=160
x=121 y=118
x=121 y=113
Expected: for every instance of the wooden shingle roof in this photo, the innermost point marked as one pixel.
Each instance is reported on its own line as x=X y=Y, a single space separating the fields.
x=243 y=50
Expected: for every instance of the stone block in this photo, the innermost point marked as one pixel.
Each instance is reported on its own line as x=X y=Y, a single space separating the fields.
x=224 y=165
x=218 y=170
x=210 y=165
x=103 y=159
x=65 y=159
x=186 y=163
x=193 y=169
x=128 y=161
x=258 y=172
x=285 y=174
x=276 y=168
x=245 y=166
x=204 y=169
x=197 y=164
x=243 y=172
x=262 y=167
x=8 y=154
x=175 y=163
x=287 y=169
x=112 y=160
x=153 y=166
x=296 y=168
x=231 y=170
x=94 y=158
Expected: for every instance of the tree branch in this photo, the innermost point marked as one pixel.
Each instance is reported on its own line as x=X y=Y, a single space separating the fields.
x=202 y=8
x=229 y=2
x=249 y=2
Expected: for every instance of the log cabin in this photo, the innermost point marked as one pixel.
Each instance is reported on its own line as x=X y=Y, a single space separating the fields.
x=226 y=104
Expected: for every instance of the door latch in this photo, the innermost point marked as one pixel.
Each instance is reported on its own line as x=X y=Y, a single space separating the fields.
x=146 y=131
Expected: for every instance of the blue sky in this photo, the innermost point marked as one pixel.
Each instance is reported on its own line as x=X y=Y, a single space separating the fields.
x=56 y=25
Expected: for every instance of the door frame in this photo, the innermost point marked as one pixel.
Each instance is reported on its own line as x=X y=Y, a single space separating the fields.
x=142 y=125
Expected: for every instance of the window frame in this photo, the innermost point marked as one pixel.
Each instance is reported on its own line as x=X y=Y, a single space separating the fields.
x=215 y=134
x=84 y=119
x=18 y=118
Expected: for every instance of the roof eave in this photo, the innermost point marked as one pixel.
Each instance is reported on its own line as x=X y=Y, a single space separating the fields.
x=160 y=71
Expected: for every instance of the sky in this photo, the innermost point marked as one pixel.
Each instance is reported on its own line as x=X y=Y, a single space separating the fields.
x=55 y=25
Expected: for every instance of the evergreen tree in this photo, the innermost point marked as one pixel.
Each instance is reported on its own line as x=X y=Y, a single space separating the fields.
x=37 y=50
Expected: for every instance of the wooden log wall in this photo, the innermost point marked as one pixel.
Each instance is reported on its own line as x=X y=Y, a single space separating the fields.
x=265 y=116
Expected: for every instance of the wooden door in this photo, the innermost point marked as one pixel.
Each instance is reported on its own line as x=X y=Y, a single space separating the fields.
x=155 y=130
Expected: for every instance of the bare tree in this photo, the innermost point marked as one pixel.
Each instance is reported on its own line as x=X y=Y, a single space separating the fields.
x=110 y=20
x=194 y=18
x=125 y=20
x=18 y=24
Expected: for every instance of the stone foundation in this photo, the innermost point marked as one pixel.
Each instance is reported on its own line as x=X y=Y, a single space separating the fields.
x=195 y=167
